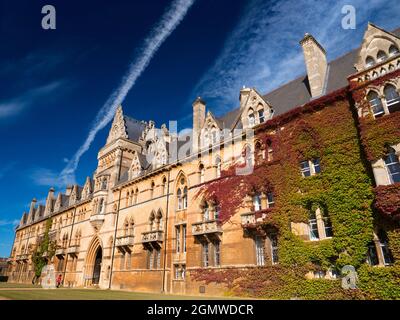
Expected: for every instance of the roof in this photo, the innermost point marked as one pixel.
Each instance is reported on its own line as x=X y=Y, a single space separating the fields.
x=134 y=128
x=297 y=92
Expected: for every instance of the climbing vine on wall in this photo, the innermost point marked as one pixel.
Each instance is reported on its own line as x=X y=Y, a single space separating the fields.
x=323 y=129
x=45 y=250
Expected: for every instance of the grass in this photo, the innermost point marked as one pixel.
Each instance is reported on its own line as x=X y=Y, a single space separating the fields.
x=17 y=285
x=27 y=292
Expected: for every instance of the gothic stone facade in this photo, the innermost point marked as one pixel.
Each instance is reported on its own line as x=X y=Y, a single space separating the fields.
x=139 y=223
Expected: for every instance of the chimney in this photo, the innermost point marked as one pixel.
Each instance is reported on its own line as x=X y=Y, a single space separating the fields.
x=49 y=204
x=68 y=190
x=316 y=64
x=32 y=207
x=244 y=95
x=199 y=116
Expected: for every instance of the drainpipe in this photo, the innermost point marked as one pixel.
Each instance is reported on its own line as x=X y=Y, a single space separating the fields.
x=69 y=244
x=115 y=238
x=165 y=236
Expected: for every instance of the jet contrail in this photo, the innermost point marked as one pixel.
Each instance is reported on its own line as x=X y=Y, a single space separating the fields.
x=169 y=21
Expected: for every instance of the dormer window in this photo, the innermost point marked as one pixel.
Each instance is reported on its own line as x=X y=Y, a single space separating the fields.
x=381 y=56
x=214 y=136
x=261 y=115
x=392 y=98
x=369 y=62
x=206 y=138
x=393 y=50
x=251 y=118
x=376 y=104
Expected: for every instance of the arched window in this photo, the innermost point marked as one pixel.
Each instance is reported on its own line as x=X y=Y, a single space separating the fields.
x=151 y=220
x=247 y=155
x=260 y=113
x=214 y=135
x=181 y=194
x=376 y=104
x=392 y=98
x=127 y=199
x=104 y=184
x=381 y=56
x=152 y=190
x=270 y=151
x=135 y=196
x=218 y=167
x=179 y=197
x=126 y=228
x=259 y=152
x=369 y=62
x=201 y=173
x=164 y=186
x=185 y=197
x=393 y=166
x=159 y=220
x=257 y=201
x=393 y=50
x=250 y=117
x=131 y=230
x=217 y=211
x=206 y=212
x=206 y=138
x=101 y=206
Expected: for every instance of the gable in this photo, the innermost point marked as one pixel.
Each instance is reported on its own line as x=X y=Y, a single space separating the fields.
x=376 y=44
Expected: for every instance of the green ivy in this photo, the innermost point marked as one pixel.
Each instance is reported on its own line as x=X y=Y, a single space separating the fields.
x=46 y=246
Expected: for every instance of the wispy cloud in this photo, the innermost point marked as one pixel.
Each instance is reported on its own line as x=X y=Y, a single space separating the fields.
x=263 y=50
x=9 y=223
x=50 y=178
x=13 y=106
x=169 y=21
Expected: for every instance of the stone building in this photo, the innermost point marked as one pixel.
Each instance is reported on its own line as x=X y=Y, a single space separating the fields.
x=139 y=222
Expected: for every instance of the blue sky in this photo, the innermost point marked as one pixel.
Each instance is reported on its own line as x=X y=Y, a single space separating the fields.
x=55 y=82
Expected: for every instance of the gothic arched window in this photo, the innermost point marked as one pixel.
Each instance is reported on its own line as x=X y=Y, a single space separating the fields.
x=376 y=104
x=392 y=98
x=369 y=61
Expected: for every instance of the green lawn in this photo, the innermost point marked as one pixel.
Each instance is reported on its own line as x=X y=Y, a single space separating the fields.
x=17 y=285
x=86 y=294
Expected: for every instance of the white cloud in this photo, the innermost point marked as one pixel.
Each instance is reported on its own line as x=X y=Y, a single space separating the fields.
x=50 y=178
x=263 y=51
x=14 y=222
x=169 y=21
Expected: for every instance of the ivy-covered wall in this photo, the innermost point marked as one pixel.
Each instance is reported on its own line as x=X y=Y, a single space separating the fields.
x=327 y=129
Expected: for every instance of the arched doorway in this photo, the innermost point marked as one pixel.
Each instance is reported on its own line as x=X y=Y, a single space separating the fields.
x=97 y=266
x=93 y=263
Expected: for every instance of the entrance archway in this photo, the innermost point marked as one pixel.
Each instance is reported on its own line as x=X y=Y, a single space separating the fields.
x=93 y=263
x=97 y=266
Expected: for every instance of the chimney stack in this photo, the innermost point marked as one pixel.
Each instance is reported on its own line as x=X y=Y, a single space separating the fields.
x=32 y=207
x=49 y=202
x=199 y=116
x=244 y=96
x=316 y=64
x=68 y=190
